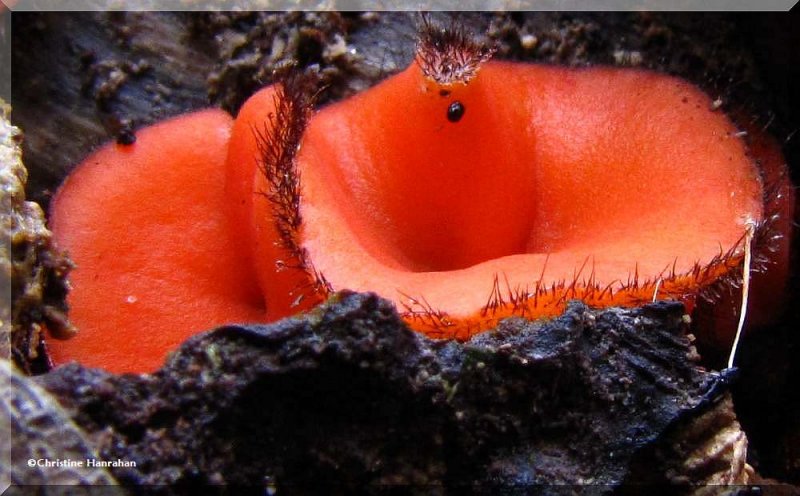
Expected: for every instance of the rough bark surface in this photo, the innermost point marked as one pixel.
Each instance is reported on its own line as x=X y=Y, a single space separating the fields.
x=32 y=271
x=40 y=430
x=348 y=397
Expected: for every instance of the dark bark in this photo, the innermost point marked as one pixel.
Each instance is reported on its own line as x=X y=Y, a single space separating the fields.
x=349 y=397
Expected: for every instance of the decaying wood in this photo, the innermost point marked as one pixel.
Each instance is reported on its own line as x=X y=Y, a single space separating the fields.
x=36 y=428
x=349 y=397
x=32 y=271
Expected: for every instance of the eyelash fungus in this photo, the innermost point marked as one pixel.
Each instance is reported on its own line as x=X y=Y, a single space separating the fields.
x=464 y=190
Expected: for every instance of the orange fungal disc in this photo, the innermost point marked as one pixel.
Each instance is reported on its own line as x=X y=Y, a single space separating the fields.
x=155 y=255
x=508 y=191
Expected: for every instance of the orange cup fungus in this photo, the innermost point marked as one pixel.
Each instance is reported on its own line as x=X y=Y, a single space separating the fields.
x=464 y=190
x=155 y=262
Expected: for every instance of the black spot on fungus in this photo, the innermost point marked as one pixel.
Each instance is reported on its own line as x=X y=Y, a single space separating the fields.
x=455 y=111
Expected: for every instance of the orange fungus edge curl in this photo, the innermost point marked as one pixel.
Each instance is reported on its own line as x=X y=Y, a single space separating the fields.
x=260 y=166
x=156 y=258
x=594 y=126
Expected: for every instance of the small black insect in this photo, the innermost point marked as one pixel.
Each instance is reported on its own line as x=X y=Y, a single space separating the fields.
x=123 y=129
x=455 y=111
x=126 y=137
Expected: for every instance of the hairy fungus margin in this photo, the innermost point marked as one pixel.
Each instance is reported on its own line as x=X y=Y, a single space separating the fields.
x=447 y=69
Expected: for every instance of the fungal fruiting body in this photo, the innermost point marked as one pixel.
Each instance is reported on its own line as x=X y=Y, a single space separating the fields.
x=465 y=191
x=156 y=260
x=606 y=185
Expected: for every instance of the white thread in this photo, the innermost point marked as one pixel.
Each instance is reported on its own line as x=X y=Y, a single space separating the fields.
x=748 y=237
x=655 y=291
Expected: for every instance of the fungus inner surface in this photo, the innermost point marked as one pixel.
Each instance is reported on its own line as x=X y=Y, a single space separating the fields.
x=157 y=260
x=551 y=176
